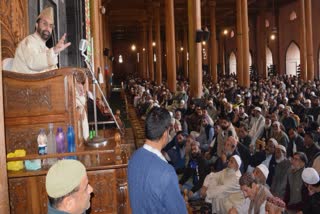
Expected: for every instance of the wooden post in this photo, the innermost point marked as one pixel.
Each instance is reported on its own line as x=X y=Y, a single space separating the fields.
x=213 y=42
x=158 y=42
x=239 y=45
x=303 y=42
x=309 y=39
x=4 y=196
x=245 y=42
x=150 y=52
x=171 y=46
x=195 y=74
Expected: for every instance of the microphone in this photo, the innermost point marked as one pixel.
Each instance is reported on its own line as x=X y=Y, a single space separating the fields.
x=83 y=45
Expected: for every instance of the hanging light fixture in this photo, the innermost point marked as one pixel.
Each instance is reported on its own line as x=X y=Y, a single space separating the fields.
x=274 y=30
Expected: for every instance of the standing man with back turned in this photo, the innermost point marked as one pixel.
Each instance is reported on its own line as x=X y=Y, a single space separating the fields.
x=32 y=54
x=153 y=183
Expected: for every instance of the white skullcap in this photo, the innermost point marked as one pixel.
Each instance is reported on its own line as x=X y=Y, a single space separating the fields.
x=310 y=176
x=276 y=123
x=274 y=141
x=237 y=159
x=281 y=106
x=264 y=170
x=257 y=108
x=282 y=148
x=171 y=114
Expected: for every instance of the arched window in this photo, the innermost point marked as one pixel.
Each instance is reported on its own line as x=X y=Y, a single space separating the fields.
x=293 y=16
x=232 y=63
x=269 y=57
x=232 y=34
x=267 y=23
x=292 y=59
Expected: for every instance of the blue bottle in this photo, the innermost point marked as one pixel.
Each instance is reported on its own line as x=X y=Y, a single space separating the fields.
x=60 y=141
x=71 y=141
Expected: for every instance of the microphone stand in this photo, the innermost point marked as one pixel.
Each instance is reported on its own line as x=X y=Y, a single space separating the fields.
x=97 y=141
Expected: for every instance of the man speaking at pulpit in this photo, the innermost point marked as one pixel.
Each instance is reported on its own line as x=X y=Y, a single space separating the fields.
x=32 y=54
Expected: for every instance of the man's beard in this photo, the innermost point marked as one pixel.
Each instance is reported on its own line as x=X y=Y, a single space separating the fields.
x=279 y=160
x=44 y=34
x=224 y=127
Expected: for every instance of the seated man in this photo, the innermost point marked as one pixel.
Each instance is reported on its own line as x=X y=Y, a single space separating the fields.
x=256 y=193
x=68 y=188
x=197 y=170
x=32 y=54
x=217 y=187
x=175 y=152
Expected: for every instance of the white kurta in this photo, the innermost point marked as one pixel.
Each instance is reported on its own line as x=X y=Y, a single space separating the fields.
x=32 y=55
x=220 y=186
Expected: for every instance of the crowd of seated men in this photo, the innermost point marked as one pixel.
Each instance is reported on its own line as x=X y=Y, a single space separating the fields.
x=270 y=130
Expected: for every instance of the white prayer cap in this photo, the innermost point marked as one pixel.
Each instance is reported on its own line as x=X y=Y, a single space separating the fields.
x=276 y=123
x=274 y=141
x=281 y=106
x=237 y=159
x=264 y=170
x=171 y=114
x=310 y=176
x=282 y=148
x=257 y=108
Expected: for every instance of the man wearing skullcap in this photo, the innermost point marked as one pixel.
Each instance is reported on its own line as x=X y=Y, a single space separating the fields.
x=217 y=187
x=279 y=182
x=311 y=178
x=32 y=54
x=68 y=188
x=281 y=137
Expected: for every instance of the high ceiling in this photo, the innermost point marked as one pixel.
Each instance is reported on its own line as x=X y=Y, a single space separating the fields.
x=126 y=16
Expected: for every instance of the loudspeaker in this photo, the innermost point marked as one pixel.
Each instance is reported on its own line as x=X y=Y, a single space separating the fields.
x=106 y=52
x=205 y=35
x=199 y=35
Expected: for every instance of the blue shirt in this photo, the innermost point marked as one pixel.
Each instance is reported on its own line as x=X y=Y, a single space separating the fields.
x=153 y=185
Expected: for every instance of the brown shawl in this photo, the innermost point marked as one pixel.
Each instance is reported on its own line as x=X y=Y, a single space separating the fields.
x=260 y=197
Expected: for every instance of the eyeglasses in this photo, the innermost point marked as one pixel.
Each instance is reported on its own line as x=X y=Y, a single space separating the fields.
x=46 y=24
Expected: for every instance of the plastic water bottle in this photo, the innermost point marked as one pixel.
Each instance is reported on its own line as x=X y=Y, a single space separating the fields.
x=52 y=147
x=60 y=141
x=42 y=142
x=71 y=141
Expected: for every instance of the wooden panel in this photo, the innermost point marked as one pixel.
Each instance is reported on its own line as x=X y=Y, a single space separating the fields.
x=14 y=24
x=32 y=101
x=105 y=191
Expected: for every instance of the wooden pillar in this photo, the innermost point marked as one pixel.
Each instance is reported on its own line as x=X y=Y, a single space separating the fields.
x=107 y=44
x=303 y=42
x=245 y=42
x=150 y=52
x=4 y=196
x=95 y=25
x=239 y=45
x=143 y=51
x=261 y=44
x=185 y=53
x=170 y=45
x=178 y=53
x=222 y=51
x=309 y=39
x=195 y=74
x=158 y=42
x=213 y=42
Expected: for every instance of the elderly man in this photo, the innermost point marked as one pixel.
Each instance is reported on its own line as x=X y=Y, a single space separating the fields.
x=261 y=173
x=281 y=137
x=257 y=122
x=279 y=182
x=68 y=188
x=217 y=187
x=230 y=149
x=296 y=192
x=32 y=54
x=311 y=178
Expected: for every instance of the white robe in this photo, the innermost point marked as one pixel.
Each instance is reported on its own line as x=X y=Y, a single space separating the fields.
x=220 y=186
x=32 y=55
